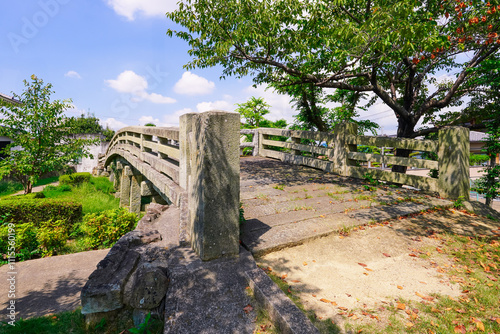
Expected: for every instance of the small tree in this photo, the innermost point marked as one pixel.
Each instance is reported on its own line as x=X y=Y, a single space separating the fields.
x=41 y=137
x=253 y=111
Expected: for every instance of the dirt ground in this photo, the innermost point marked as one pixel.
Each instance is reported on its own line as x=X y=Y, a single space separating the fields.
x=376 y=266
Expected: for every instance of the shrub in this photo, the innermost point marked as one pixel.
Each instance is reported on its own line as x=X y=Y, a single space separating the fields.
x=74 y=179
x=103 y=184
x=104 y=229
x=39 y=195
x=52 y=237
x=478 y=159
x=26 y=245
x=37 y=211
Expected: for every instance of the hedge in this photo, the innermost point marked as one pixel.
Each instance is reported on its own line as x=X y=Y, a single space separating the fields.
x=37 y=211
x=75 y=178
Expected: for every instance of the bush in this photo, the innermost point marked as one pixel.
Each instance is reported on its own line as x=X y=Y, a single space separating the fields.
x=52 y=237
x=39 y=195
x=104 y=229
x=103 y=184
x=26 y=246
x=37 y=211
x=74 y=179
x=478 y=159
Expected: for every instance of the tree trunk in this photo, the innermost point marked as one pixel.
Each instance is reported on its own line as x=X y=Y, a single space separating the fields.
x=28 y=187
x=405 y=130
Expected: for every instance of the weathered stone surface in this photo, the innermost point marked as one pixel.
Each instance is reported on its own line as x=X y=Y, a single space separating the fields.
x=149 y=287
x=481 y=209
x=147 y=188
x=213 y=183
x=102 y=292
x=124 y=189
x=135 y=194
x=282 y=311
x=453 y=158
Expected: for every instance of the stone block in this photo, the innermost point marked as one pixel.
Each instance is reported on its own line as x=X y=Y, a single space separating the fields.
x=213 y=187
x=147 y=188
x=135 y=194
x=149 y=286
x=124 y=189
x=453 y=159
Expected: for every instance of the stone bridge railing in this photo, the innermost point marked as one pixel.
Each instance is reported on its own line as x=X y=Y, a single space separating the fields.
x=338 y=154
x=194 y=166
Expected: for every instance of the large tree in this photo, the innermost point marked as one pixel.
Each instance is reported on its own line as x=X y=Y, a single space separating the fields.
x=394 y=49
x=42 y=141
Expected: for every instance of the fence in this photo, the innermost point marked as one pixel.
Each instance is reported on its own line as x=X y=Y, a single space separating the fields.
x=338 y=154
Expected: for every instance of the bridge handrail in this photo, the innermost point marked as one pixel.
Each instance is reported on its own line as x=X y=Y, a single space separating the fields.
x=338 y=153
x=157 y=146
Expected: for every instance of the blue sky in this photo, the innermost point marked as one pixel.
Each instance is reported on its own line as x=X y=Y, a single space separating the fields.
x=113 y=59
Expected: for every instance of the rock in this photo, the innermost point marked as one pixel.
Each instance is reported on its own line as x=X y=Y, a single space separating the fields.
x=149 y=286
x=102 y=292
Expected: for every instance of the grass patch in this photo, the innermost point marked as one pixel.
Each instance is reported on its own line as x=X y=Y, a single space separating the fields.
x=72 y=322
x=11 y=187
x=94 y=195
x=279 y=187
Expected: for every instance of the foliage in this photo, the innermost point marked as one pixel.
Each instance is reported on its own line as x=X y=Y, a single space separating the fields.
x=9 y=187
x=149 y=326
x=253 y=111
x=311 y=102
x=94 y=196
x=26 y=246
x=391 y=49
x=75 y=178
x=478 y=159
x=149 y=124
x=38 y=126
x=104 y=229
x=487 y=102
x=62 y=323
x=88 y=125
x=37 y=211
x=52 y=236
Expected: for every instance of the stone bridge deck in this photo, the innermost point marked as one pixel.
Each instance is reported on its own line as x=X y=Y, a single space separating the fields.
x=285 y=205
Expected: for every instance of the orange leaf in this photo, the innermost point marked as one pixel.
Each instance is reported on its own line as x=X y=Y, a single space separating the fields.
x=342 y=308
x=401 y=306
x=248 y=308
x=409 y=324
x=334 y=303
x=420 y=295
x=325 y=300
x=305 y=263
x=460 y=329
x=435 y=310
x=497 y=320
x=479 y=325
x=386 y=255
x=400 y=287
x=295 y=281
x=368 y=269
x=362 y=264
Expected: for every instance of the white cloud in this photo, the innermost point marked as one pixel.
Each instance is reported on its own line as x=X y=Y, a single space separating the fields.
x=130 y=82
x=113 y=124
x=72 y=74
x=129 y=8
x=216 y=105
x=149 y=119
x=192 y=84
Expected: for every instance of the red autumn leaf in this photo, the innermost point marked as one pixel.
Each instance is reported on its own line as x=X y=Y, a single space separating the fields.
x=386 y=255
x=342 y=308
x=248 y=308
x=460 y=329
x=362 y=264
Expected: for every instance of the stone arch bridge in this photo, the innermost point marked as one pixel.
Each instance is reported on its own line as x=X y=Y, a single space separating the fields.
x=196 y=167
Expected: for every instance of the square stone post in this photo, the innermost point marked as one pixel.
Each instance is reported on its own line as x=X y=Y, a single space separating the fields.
x=135 y=193
x=341 y=149
x=453 y=159
x=125 y=186
x=255 y=142
x=210 y=147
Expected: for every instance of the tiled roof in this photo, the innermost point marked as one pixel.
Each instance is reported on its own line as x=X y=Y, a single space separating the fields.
x=8 y=98
x=477 y=136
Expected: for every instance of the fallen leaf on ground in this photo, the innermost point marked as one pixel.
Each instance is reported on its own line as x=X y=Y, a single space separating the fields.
x=368 y=269
x=324 y=300
x=460 y=329
x=386 y=255
x=295 y=281
x=305 y=263
x=401 y=306
x=362 y=264
x=400 y=287
x=248 y=308
x=342 y=308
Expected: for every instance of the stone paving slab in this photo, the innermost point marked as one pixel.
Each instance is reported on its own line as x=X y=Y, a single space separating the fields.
x=208 y=297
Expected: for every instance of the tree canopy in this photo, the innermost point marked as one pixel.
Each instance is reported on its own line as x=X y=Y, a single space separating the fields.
x=42 y=140
x=392 y=49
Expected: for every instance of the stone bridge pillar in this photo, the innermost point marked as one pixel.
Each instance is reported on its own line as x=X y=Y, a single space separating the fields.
x=130 y=189
x=210 y=172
